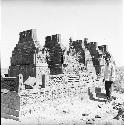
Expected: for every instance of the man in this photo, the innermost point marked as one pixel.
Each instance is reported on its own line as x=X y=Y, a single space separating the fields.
x=109 y=77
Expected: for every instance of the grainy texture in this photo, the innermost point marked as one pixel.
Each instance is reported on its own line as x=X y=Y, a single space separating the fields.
x=10 y=105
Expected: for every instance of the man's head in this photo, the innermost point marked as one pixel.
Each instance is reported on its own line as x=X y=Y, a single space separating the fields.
x=108 y=60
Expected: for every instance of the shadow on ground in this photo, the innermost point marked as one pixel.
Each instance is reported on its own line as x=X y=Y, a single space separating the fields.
x=10 y=105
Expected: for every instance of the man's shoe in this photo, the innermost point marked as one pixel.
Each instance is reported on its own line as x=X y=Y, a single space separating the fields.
x=117 y=118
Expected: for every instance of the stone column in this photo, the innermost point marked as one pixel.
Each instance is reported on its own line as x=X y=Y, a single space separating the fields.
x=21 y=85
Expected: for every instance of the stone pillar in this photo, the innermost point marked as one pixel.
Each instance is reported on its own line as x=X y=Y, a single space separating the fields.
x=21 y=85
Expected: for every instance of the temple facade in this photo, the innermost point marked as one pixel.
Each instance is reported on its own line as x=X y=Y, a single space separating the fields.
x=33 y=61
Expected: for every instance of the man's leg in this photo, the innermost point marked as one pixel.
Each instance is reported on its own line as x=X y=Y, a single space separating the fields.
x=110 y=89
x=107 y=89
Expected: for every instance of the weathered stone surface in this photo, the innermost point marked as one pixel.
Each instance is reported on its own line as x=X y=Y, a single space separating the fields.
x=55 y=58
x=10 y=83
x=10 y=105
x=22 y=60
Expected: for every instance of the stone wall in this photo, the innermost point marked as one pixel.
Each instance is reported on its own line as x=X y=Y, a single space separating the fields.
x=25 y=70
x=55 y=54
x=76 y=48
x=22 y=60
x=10 y=83
x=92 y=47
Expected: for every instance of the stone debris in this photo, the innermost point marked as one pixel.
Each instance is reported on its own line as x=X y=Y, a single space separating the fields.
x=97 y=116
x=67 y=108
x=70 y=111
x=67 y=111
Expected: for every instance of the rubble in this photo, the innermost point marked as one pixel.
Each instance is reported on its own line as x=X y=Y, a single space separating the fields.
x=69 y=111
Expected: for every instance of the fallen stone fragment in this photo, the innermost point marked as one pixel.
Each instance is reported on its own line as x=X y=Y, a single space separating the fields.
x=90 y=121
x=99 y=106
x=97 y=116
x=85 y=114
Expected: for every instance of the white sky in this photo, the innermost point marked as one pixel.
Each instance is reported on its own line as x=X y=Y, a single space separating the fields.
x=99 y=21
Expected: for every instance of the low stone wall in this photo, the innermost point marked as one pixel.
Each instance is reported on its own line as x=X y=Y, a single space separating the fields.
x=10 y=83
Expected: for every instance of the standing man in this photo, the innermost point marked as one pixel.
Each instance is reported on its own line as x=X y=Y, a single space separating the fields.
x=109 y=77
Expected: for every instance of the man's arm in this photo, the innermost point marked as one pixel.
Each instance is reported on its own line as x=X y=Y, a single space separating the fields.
x=113 y=73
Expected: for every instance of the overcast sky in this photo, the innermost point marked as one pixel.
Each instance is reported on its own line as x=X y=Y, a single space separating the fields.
x=98 y=20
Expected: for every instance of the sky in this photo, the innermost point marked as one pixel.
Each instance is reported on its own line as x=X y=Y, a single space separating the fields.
x=98 y=20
